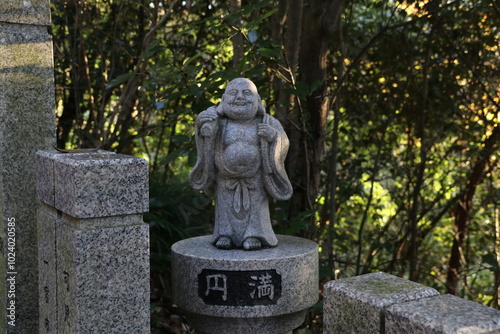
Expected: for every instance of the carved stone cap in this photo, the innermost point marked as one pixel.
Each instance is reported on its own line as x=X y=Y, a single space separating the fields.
x=35 y=12
x=89 y=185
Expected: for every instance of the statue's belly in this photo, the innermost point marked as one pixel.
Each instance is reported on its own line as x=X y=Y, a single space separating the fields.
x=241 y=158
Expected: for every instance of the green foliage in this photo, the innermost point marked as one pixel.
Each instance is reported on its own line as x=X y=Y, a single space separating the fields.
x=412 y=123
x=176 y=212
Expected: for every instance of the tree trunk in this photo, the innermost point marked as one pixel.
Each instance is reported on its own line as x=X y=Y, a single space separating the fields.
x=72 y=102
x=420 y=179
x=279 y=84
x=496 y=296
x=463 y=209
x=237 y=39
x=307 y=150
x=128 y=98
x=292 y=10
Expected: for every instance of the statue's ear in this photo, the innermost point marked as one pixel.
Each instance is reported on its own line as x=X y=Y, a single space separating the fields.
x=261 y=109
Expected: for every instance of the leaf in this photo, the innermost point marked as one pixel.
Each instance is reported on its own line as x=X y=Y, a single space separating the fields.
x=120 y=79
x=315 y=85
x=269 y=53
x=174 y=155
x=261 y=18
x=151 y=49
x=266 y=15
x=192 y=157
x=491 y=259
x=180 y=139
x=196 y=56
x=301 y=89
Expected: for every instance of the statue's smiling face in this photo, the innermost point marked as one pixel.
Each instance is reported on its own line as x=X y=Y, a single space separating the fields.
x=240 y=100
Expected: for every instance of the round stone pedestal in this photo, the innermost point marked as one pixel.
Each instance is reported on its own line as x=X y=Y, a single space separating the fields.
x=237 y=291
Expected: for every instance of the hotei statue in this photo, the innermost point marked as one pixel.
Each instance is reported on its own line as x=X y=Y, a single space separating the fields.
x=241 y=153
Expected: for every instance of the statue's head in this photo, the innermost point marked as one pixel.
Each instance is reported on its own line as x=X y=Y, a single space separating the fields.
x=241 y=101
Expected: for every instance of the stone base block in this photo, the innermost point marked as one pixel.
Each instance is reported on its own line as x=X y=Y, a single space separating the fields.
x=445 y=314
x=238 y=291
x=280 y=323
x=355 y=305
x=102 y=277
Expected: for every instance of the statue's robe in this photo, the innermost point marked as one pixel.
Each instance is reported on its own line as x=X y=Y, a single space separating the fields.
x=241 y=194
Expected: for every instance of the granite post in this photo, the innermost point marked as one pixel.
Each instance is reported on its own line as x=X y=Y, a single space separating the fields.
x=27 y=124
x=356 y=305
x=386 y=304
x=93 y=244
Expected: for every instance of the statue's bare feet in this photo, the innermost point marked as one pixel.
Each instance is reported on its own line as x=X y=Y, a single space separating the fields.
x=223 y=243
x=251 y=243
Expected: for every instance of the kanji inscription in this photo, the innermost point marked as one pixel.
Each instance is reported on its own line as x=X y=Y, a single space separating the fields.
x=239 y=288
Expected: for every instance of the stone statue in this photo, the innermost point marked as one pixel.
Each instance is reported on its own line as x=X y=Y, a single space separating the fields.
x=241 y=153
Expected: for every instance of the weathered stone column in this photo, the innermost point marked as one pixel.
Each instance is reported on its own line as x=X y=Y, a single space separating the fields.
x=27 y=124
x=93 y=244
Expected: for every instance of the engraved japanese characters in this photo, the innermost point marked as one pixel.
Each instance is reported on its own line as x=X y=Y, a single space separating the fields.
x=239 y=288
x=241 y=153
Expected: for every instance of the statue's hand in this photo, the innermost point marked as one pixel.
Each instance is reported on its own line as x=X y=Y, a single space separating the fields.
x=206 y=116
x=207 y=130
x=267 y=132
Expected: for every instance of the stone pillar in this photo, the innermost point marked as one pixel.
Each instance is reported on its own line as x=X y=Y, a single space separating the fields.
x=356 y=305
x=93 y=244
x=27 y=124
x=386 y=304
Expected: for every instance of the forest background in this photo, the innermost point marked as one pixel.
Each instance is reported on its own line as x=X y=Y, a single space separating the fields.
x=391 y=107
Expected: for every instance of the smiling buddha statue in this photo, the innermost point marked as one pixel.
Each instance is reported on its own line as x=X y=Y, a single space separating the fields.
x=241 y=153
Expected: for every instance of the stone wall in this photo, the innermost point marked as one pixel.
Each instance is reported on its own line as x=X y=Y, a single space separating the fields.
x=379 y=303
x=27 y=124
